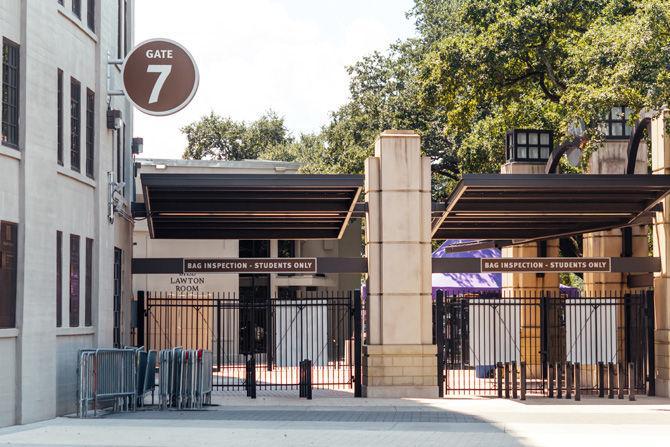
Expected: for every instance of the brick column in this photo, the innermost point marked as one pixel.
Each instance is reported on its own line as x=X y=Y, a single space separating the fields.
x=399 y=359
x=660 y=145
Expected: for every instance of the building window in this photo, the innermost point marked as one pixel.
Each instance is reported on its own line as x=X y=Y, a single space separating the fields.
x=90 y=133
x=8 y=252
x=10 y=93
x=123 y=161
x=254 y=249
x=60 y=117
x=118 y=256
x=75 y=124
x=90 y=15
x=121 y=157
x=287 y=293
x=286 y=249
x=122 y=29
x=59 y=278
x=74 y=280
x=126 y=27
x=615 y=125
x=119 y=29
x=88 y=287
x=118 y=155
x=76 y=8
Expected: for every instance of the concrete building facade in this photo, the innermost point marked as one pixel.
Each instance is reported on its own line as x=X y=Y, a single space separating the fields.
x=65 y=275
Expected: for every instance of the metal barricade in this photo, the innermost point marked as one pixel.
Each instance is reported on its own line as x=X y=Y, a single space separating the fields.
x=146 y=375
x=106 y=376
x=185 y=380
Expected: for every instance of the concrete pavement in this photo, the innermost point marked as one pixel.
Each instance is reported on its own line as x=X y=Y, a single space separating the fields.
x=281 y=419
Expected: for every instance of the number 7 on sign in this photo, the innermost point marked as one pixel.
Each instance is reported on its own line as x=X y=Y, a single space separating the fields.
x=164 y=71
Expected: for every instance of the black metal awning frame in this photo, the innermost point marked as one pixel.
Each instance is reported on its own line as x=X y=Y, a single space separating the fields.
x=249 y=206
x=520 y=208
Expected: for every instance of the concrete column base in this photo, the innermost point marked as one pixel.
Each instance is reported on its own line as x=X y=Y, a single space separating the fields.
x=397 y=371
x=662 y=348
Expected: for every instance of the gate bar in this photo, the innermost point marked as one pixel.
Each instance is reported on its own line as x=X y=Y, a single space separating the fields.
x=439 y=339
x=141 y=310
x=569 y=374
x=499 y=372
x=578 y=382
x=631 y=381
x=559 y=380
x=523 y=380
x=358 y=334
x=610 y=380
x=507 y=373
x=514 y=377
x=651 y=349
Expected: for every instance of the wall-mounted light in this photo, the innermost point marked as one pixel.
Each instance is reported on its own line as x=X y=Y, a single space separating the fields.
x=114 y=119
x=137 y=145
x=528 y=145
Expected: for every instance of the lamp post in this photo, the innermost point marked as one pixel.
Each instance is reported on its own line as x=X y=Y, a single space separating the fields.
x=528 y=145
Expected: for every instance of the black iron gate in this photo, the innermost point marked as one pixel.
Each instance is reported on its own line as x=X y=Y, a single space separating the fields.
x=273 y=336
x=486 y=342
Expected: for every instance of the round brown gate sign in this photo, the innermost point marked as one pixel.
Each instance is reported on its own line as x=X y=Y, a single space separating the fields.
x=160 y=77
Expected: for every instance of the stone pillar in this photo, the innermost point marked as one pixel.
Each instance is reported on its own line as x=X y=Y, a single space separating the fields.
x=399 y=359
x=612 y=159
x=660 y=145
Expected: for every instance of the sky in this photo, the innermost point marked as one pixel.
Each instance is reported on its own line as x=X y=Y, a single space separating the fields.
x=254 y=55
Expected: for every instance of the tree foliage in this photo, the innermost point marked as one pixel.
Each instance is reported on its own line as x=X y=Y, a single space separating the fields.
x=480 y=67
x=475 y=69
x=222 y=138
x=546 y=63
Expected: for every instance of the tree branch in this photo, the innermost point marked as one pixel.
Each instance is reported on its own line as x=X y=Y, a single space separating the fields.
x=553 y=97
x=528 y=74
x=447 y=173
x=551 y=73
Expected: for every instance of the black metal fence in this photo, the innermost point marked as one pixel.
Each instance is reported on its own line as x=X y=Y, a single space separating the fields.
x=494 y=345
x=274 y=334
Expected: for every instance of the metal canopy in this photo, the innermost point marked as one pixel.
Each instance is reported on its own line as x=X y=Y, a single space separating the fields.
x=249 y=206
x=528 y=207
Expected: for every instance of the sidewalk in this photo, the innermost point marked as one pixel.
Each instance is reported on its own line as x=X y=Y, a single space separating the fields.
x=281 y=419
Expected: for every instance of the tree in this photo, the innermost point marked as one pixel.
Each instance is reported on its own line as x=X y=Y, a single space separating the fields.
x=475 y=69
x=222 y=138
x=480 y=67
x=543 y=63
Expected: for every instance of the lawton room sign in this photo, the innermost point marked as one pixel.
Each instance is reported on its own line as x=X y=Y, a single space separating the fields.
x=546 y=265
x=250 y=265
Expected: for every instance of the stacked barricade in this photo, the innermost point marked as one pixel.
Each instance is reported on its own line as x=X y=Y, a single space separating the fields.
x=146 y=373
x=106 y=376
x=185 y=378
